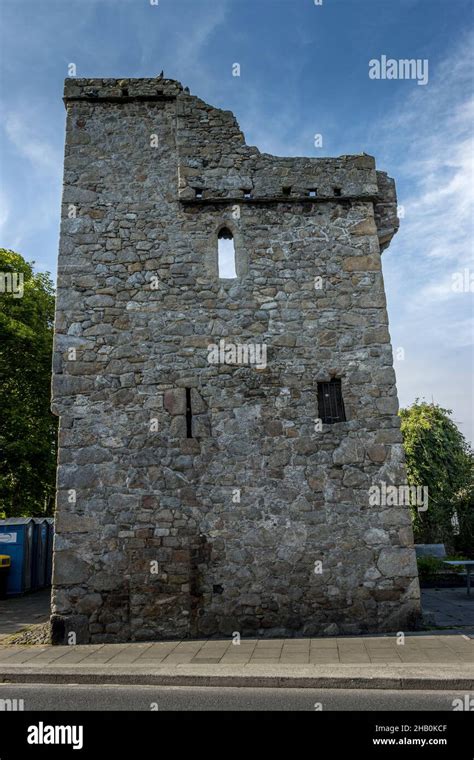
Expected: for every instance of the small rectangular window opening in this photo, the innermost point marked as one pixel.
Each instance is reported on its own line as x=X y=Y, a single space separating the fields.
x=330 y=402
x=198 y=191
x=125 y=91
x=286 y=191
x=226 y=254
x=312 y=193
x=337 y=192
x=189 y=414
x=247 y=194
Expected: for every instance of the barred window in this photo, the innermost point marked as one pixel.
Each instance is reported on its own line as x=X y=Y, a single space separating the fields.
x=330 y=402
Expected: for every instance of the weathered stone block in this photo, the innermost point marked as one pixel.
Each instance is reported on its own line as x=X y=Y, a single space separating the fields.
x=362 y=263
x=68 y=522
x=69 y=569
x=175 y=401
x=395 y=561
x=351 y=451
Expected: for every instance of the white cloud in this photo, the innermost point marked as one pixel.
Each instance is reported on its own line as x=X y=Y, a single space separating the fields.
x=22 y=131
x=438 y=214
x=429 y=148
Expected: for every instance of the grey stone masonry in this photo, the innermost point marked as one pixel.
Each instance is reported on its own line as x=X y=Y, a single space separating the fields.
x=200 y=491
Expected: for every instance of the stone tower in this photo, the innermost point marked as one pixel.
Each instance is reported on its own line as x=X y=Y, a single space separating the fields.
x=219 y=436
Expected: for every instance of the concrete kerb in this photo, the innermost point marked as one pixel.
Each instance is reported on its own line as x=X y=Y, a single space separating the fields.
x=257 y=676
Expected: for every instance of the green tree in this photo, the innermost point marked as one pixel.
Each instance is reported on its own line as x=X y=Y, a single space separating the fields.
x=438 y=456
x=28 y=429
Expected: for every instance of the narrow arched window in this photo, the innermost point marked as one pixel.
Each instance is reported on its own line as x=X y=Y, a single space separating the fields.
x=226 y=254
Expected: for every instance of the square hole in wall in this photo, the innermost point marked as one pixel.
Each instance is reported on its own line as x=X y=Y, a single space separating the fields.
x=312 y=193
x=217 y=588
x=247 y=194
x=337 y=192
x=198 y=193
x=286 y=191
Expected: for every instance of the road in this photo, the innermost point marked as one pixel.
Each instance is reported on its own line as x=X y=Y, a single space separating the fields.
x=136 y=698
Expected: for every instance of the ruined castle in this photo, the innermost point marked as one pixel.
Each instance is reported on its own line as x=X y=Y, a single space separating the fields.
x=219 y=433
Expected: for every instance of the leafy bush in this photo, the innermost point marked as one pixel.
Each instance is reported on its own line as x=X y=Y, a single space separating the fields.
x=428 y=567
x=27 y=427
x=438 y=456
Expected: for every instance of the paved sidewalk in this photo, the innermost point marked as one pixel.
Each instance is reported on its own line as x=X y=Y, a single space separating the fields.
x=430 y=648
x=423 y=661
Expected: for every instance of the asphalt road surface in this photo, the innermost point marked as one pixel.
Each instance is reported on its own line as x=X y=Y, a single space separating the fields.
x=136 y=698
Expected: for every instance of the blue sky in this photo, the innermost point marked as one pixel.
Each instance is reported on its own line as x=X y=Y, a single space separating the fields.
x=304 y=70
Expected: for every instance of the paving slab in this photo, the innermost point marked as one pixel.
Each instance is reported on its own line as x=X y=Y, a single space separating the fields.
x=419 y=662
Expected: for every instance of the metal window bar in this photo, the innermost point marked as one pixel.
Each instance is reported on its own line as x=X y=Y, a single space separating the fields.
x=330 y=402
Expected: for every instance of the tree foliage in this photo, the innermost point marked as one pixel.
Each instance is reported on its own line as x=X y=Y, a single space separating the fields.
x=438 y=456
x=28 y=430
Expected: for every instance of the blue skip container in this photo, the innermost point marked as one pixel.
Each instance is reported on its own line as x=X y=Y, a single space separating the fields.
x=16 y=541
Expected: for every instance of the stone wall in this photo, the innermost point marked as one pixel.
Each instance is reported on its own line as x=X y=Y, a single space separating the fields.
x=164 y=535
